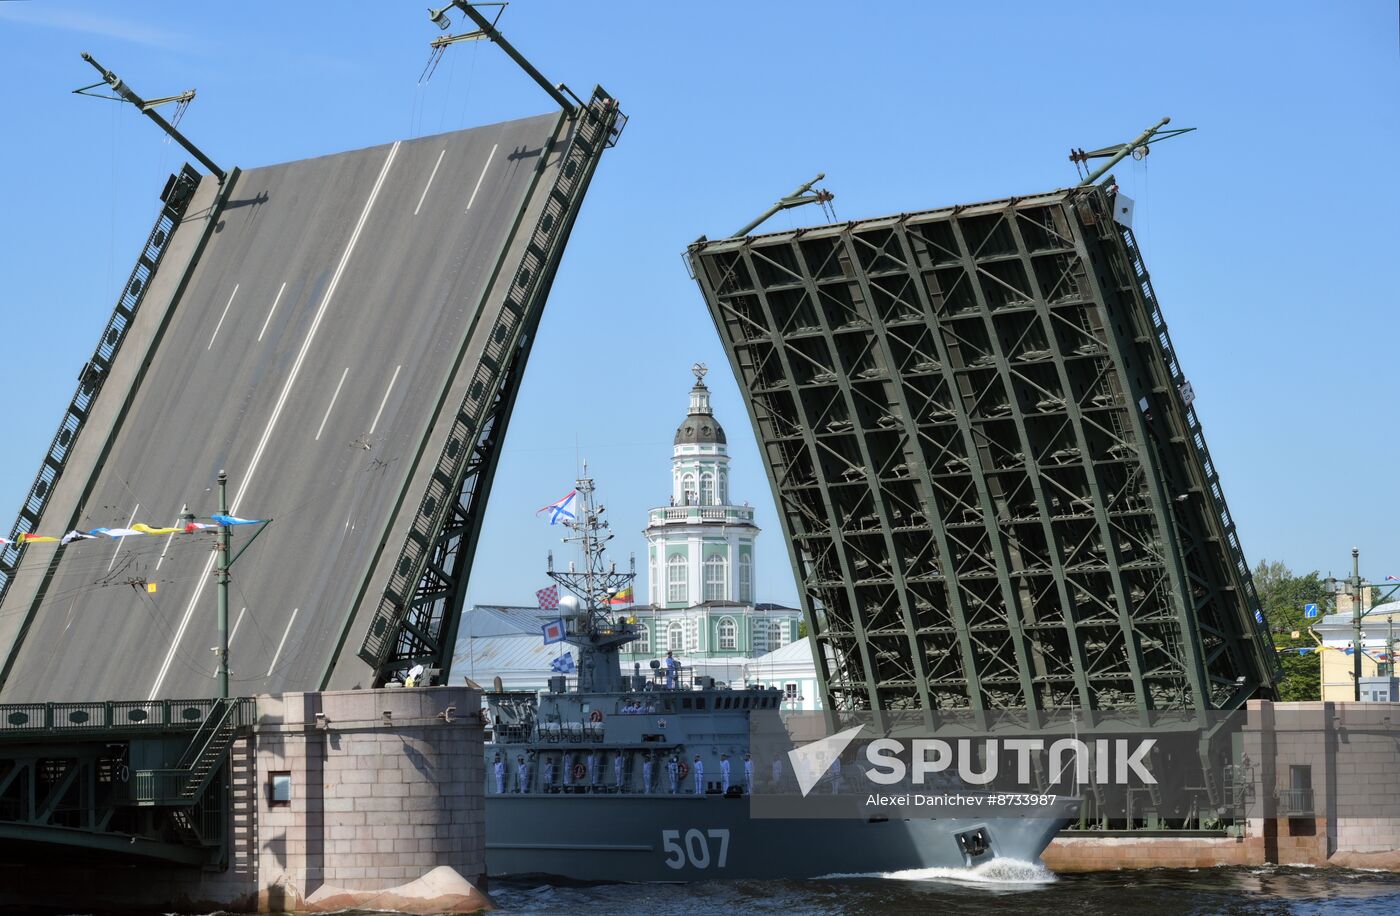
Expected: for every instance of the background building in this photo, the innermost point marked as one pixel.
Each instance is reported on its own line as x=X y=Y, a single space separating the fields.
x=700 y=547
x=1380 y=627
x=506 y=642
x=792 y=670
x=700 y=565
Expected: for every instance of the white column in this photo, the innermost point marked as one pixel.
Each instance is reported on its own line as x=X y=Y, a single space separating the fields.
x=697 y=569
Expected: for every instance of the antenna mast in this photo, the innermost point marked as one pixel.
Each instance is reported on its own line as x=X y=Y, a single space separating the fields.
x=599 y=579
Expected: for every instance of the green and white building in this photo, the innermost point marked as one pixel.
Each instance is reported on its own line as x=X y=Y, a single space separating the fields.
x=700 y=581
x=700 y=561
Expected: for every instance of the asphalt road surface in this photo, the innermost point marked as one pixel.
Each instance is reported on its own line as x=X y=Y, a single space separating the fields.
x=307 y=356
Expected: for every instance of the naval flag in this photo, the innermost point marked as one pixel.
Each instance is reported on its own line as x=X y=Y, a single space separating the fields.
x=564 y=664
x=553 y=631
x=561 y=510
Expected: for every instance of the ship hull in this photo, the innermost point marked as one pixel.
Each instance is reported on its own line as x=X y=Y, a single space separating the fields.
x=692 y=838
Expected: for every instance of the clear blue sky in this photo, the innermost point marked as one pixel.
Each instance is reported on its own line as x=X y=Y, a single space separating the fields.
x=1271 y=231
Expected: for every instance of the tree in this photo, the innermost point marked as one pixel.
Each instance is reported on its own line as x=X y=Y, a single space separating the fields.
x=1282 y=596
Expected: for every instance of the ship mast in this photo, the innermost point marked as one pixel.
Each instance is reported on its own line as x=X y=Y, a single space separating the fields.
x=597 y=635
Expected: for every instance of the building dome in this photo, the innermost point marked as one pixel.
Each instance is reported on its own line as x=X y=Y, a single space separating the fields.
x=699 y=426
x=700 y=429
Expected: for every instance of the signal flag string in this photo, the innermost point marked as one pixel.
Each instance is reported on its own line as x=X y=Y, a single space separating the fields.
x=137 y=530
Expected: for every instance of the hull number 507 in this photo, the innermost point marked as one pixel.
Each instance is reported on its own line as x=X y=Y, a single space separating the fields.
x=701 y=848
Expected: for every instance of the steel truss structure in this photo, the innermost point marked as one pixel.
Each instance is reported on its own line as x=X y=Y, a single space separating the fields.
x=74 y=776
x=995 y=491
x=416 y=620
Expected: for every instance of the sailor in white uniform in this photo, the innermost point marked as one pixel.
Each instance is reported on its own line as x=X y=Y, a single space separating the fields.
x=673 y=770
x=698 y=768
x=549 y=775
x=522 y=775
x=617 y=770
x=724 y=773
x=748 y=774
x=498 y=769
x=648 y=767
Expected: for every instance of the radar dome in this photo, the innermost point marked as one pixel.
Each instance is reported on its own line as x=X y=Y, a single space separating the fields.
x=569 y=604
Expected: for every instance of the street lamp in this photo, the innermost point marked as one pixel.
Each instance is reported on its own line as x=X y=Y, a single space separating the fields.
x=222 y=577
x=1355 y=587
x=487 y=29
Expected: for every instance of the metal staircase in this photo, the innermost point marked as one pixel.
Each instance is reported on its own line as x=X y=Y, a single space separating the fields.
x=183 y=784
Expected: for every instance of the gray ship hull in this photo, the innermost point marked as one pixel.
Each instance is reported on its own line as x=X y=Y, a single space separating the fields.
x=692 y=838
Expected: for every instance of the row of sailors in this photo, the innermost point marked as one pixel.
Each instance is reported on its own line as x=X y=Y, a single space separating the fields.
x=587 y=773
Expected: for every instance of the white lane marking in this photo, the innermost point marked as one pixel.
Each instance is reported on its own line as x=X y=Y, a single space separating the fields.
x=482 y=176
x=236 y=624
x=277 y=411
x=223 y=316
x=282 y=642
x=331 y=406
x=424 y=195
x=184 y=622
x=131 y=521
x=384 y=400
x=311 y=334
x=268 y=319
x=168 y=537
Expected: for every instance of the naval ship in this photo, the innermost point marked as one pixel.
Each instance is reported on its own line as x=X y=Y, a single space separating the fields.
x=597 y=781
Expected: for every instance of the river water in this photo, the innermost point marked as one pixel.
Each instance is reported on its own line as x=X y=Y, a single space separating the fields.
x=998 y=886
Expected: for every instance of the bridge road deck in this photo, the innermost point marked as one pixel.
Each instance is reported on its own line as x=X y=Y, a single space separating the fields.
x=317 y=339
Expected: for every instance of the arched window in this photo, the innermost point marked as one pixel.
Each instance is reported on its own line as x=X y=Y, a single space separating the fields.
x=728 y=633
x=653 y=583
x=723 y=492
x=675 y=636
x=759 y=639
x=714 y=579
x=746 y=578
x=688 y=490
x=643 y=643
x=676 y=573
x=777 y=634
x=707 y=489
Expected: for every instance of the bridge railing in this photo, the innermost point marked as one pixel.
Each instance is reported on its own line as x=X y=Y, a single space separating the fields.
x=30 y=720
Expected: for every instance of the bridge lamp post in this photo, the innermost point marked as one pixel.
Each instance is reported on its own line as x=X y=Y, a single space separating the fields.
x=225 y=562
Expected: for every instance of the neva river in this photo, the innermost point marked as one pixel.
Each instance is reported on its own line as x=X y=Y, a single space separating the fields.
x=995 y=887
